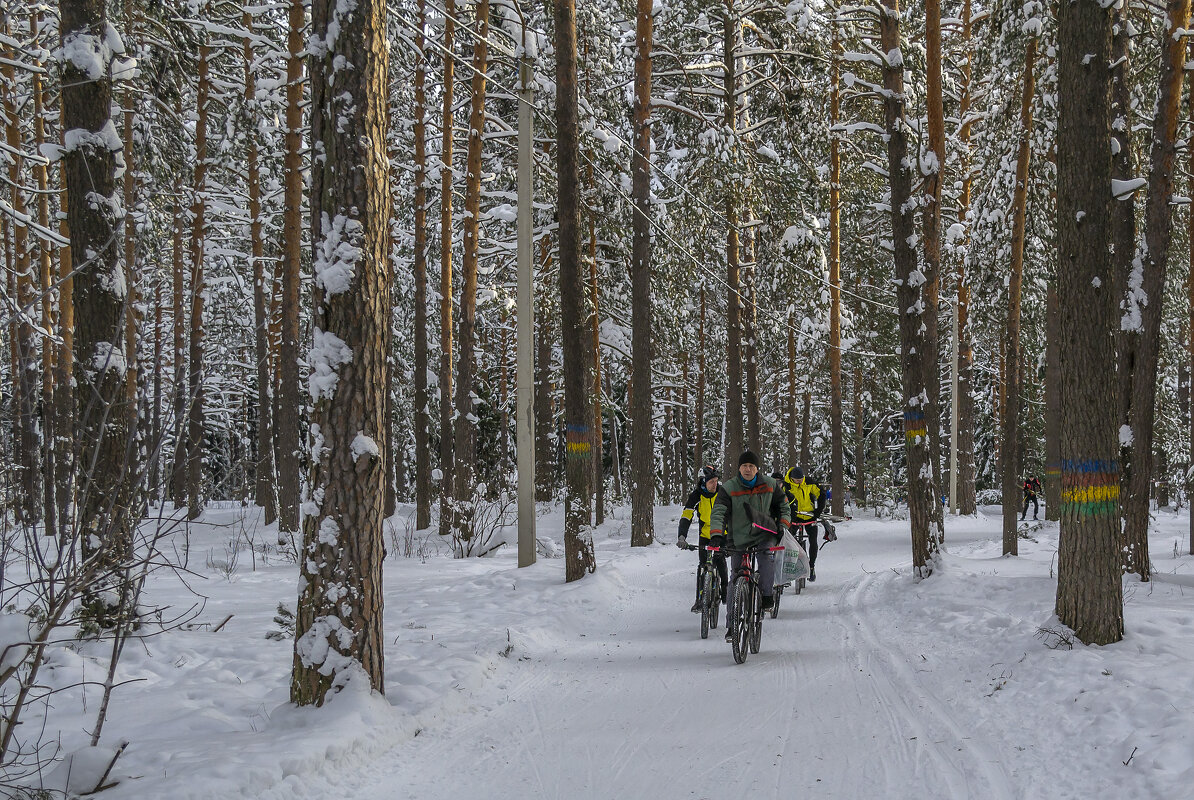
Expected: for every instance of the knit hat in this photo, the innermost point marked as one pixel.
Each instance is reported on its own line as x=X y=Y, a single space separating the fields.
x=748 y=457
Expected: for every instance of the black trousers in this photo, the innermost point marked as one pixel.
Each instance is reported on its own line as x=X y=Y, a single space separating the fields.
x=1035 y=507
x=719 y=563
x=810 y=544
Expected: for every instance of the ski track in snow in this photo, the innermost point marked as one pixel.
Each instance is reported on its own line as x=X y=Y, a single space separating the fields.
x=940 y=734
x=642 y=707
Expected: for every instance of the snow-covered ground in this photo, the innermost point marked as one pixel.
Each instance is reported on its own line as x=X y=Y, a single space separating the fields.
x=507 y=683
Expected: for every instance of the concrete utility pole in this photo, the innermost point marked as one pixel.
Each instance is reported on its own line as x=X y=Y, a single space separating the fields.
x=525 y=390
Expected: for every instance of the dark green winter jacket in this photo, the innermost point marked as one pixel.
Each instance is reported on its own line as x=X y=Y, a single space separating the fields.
x=730 y=518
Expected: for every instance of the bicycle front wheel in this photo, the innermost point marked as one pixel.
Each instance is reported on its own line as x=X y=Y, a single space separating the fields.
x=739 y=619
x=779 y=591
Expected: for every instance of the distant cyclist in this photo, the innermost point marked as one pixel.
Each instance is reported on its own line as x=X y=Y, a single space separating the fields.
x=700 y=505
x=807 y=499
x=743 y=502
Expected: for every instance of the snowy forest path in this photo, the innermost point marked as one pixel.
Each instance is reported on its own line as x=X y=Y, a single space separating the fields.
x=628 y=701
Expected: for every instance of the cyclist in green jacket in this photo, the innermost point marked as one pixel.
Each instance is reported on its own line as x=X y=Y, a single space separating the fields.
x=746 y=504
x=699 y=505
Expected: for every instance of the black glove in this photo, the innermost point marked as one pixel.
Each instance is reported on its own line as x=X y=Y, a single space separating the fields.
x=717 y=540
x=682 y=541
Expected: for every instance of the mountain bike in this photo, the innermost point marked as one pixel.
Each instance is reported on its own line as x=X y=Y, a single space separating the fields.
x=745 y=616
x=710 y=595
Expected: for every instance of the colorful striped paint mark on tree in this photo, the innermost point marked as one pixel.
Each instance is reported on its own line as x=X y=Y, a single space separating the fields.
x=578 y=440
x=1089 y=487
x=914 y=425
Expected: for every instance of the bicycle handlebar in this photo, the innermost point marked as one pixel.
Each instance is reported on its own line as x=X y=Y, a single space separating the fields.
x=747 y=551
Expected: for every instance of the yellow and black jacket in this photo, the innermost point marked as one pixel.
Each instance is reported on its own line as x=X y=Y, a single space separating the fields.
x=806 y=498
x=700 y=505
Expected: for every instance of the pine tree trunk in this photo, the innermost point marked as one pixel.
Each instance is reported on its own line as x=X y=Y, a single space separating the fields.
x=734 y=435
x=132 y=320
x=1052 y=484
x=965 y=399
x=642 y=442
x=578 y=540
x=195 y=371
x=916 y=354
x=1158 y=234
x=1123 y=224
x=66 y=448
x=446 y=434
x=46 y=274
x=931 y=219
x=338 y=635
x=859 y=443
x=101 y=301
x=466 y=427
x=598 y=477
x=290 y=402
x=422 y=396
x=806 y=431
x=790 y=401
x=27 y=384
x=699 y=435
x=1190 y=328
x=263 y=469
x=544 y=423
x=1089 y=592
x=750 y=337
x=1011 y=417
x=178 y=472
x=836 y=445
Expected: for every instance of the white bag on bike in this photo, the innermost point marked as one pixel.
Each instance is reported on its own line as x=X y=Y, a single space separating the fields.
x=792 y=563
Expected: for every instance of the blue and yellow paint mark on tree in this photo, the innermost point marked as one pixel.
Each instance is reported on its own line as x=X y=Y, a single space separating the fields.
x=577 y=441
x=914 y=426
x=1089 y=487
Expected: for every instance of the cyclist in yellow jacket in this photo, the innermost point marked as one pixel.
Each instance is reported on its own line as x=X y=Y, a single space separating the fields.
x=699 y=505
x=807 y=499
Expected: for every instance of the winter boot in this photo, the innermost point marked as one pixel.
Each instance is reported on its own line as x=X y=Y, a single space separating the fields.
x=812 y=573
x=768 y=602
x=696 y=607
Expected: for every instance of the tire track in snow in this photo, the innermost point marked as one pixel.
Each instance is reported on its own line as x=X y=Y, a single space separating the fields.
x=900 y=685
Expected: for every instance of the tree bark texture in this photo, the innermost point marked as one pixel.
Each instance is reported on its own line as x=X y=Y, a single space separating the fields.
x=422 y=396
x=733 y=425
x=1052 y=484
x=1089 y=592
x=195 y=370
x=578 y=538
x=338 y=635
x=836 y=445
x=101 y=300
x=965 y=399
x=26 y=386
x=263 y=470
x=914 y=307
x=1148 y=299
x=289 y=398
x=931 y=268
x=642 y=443
x=1013 y=385
x=465 y=434
x=446 y=434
